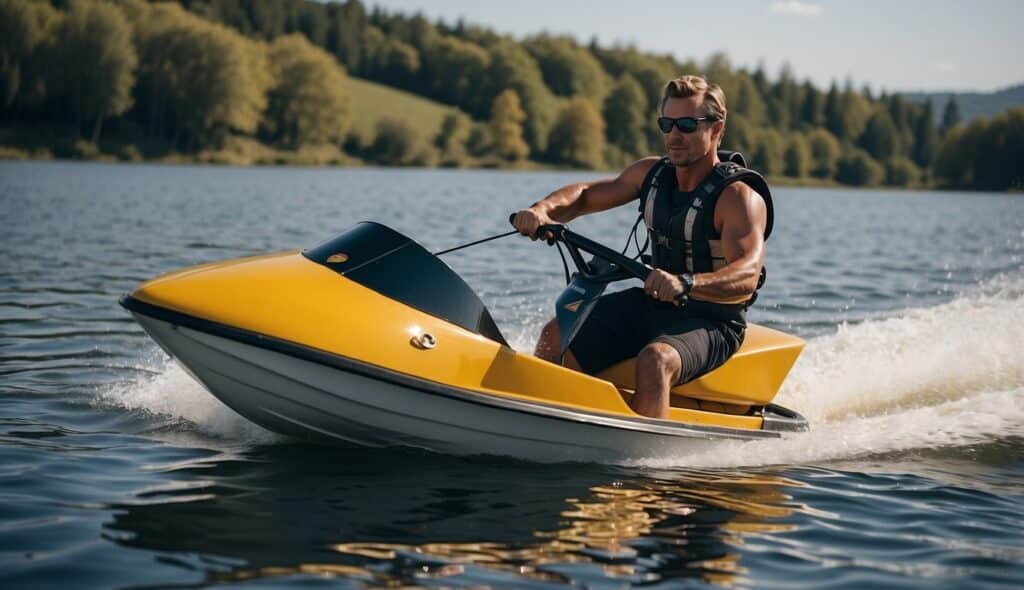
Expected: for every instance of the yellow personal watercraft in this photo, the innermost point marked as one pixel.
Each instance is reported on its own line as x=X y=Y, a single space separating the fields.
x=369 y=338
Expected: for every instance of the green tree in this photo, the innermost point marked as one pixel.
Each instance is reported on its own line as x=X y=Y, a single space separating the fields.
x=769 y=155
x=452 y=137
x=857 y=168
x=798 y=156
x=345 y=30
x=507 y=118
x=988 y=153
x=268 y=18
x=812 y=110
x=926 y=137
x=900 y=171
x=718 y=69
x=899 y=111
x=567 y=68
x=950 y=116
x=825 y=151
x=784 y=100
x=1003 y=169
x=739 y=135
x=778 y=113
x=577 y=137
x=25 y=27
x=307 y=103
x=97 y=62
x=652 y=72
x=624 y=114
x=954 y=163
x=395 y=142
x=313 y=22
x=455 y=70
x=198 y=80
x=834 y=121
x=389 y=60
x=760 y=80
x=880 y=138
x=856 y=112
x=513 y=68
x=479 y=141
x=747 y=101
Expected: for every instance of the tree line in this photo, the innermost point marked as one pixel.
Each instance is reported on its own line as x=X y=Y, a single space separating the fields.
x=192 y=73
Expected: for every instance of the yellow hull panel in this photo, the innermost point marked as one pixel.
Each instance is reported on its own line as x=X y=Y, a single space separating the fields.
x=752 y=376
x=288 y=297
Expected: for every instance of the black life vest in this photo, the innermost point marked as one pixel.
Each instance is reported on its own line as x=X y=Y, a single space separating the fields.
x=681 y=226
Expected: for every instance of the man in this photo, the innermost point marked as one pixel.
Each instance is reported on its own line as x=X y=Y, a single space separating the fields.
x=708 y=228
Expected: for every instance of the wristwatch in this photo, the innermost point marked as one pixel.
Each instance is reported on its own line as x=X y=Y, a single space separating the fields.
x=687 y=280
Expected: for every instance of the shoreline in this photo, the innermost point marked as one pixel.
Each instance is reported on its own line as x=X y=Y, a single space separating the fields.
x=332 y=157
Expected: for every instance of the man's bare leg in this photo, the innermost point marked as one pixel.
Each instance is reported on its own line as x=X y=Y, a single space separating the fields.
x=658 y=366
x=548 y=345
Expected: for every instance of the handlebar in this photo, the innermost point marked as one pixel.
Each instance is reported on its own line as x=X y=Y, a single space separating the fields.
x=574 y=242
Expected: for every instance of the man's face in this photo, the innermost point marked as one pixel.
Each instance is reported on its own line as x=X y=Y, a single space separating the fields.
x=686 y=148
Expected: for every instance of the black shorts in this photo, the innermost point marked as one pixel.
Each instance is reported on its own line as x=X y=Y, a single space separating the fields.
x=622 y=323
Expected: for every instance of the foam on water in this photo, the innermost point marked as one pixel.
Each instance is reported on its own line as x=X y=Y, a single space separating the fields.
x=969 y=346
x=949 y=375
x=174 y=393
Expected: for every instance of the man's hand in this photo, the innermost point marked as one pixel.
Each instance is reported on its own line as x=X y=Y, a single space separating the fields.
x=663 y=286
x=528 y=221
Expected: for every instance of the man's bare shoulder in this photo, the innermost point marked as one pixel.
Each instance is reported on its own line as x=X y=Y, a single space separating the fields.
x=635 y=173
x=739 y=201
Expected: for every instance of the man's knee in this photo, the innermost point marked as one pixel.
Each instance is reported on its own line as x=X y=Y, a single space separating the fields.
x=547 y=343
x=661 y=358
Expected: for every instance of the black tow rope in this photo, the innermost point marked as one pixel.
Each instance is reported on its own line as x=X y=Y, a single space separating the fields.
x=565 y=265
x=488 y=239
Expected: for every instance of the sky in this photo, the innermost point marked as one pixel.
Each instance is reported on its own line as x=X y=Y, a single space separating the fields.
x=894 y=45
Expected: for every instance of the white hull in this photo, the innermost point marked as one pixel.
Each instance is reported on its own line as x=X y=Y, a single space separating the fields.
x=307 y=399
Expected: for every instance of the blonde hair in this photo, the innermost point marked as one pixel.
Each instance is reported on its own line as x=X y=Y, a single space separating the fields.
x=687 y=86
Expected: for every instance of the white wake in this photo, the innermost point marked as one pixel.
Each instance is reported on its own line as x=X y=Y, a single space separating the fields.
x=944 y=376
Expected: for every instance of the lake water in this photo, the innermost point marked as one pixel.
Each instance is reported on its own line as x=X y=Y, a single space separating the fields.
x=118 y=470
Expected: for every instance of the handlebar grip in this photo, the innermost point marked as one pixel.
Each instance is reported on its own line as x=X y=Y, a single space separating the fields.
x=554 y=228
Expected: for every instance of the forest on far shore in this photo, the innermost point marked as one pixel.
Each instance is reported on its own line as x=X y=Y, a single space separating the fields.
x=271 y=81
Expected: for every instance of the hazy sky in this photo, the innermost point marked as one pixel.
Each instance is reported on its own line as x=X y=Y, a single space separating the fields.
x=896 y=44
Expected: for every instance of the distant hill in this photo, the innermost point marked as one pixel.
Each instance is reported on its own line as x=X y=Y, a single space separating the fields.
x=972 y=104
x=371 y=101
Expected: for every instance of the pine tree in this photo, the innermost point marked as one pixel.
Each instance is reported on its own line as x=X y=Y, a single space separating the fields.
x=812 y=110
x=834 y=121
x=950 y=116
x=926 y=137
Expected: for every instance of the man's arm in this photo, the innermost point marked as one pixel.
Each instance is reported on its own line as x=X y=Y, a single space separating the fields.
x=743 y=216
x=571 y=201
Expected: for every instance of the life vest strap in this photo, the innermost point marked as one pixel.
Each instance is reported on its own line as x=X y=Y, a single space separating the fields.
x=696 y=247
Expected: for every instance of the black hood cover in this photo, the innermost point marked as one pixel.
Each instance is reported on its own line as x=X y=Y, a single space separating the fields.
x=395 y=266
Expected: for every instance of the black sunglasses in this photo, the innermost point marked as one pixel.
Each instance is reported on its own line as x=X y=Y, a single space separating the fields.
x=684 y=124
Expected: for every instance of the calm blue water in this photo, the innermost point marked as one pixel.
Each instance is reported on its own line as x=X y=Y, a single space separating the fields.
x=117 y=470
